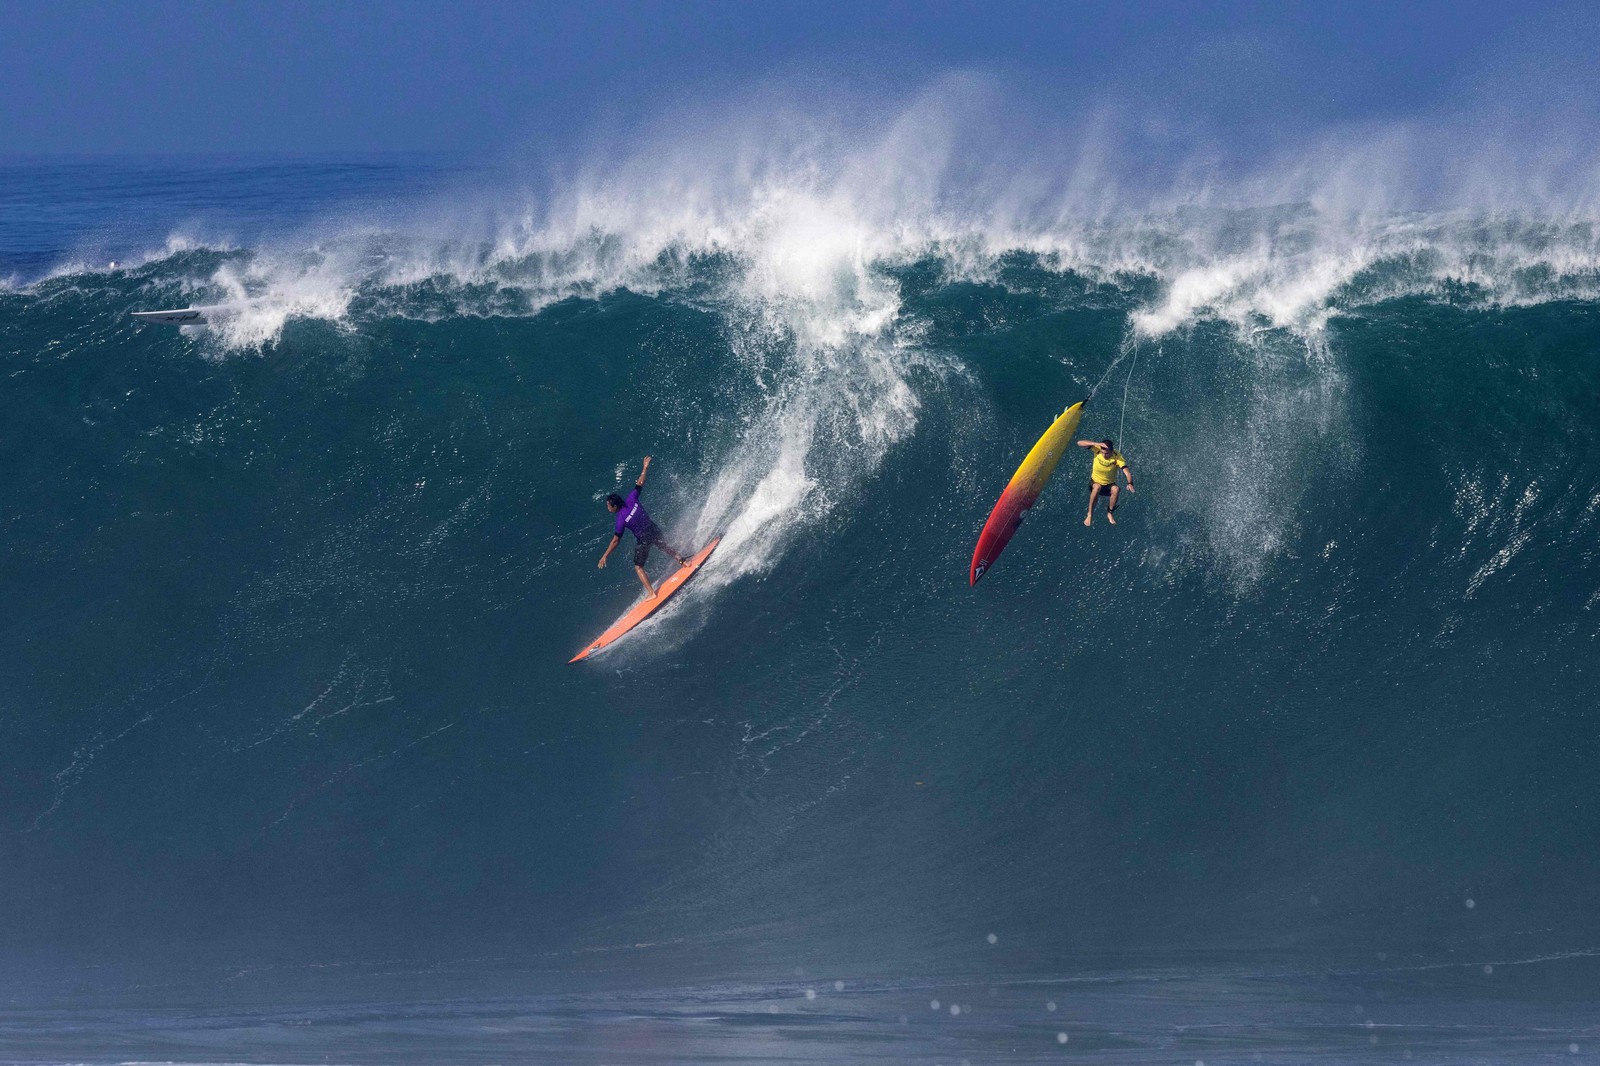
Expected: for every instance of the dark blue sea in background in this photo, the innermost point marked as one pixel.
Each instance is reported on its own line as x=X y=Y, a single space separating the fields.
x=1296 y=763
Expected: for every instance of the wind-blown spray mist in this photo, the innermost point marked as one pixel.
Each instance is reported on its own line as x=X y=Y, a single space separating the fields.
x=791 y=227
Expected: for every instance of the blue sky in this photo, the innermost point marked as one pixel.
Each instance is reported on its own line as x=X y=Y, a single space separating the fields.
x=161 y=76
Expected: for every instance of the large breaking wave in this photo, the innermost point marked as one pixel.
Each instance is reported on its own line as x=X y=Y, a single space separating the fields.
x=321 y=560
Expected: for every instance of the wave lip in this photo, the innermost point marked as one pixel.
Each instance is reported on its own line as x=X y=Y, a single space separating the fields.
x=806 y=268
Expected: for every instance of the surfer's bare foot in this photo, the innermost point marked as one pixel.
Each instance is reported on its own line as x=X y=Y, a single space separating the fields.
x=1111 y=518
x=649 y=589
x=1088 y=521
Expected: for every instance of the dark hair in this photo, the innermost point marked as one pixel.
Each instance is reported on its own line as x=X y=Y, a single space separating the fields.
x=614 y=500
x=1110 y=444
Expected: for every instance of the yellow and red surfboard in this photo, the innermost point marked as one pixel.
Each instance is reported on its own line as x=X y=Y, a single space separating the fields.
x=1024 y=489
x=645 y=608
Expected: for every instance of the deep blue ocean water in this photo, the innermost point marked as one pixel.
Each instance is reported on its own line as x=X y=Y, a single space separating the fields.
x=1295 y=763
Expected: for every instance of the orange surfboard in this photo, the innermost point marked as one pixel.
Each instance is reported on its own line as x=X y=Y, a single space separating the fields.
x=645 y=608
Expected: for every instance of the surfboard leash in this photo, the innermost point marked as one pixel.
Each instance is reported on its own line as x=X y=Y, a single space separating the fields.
x=1130 y=343
x=1124 y=419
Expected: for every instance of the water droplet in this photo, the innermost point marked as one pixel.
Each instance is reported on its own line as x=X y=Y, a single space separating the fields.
x=993 y=939
x=933 y=1004
x=838 y=986
x=1050 y=1006
x=1488 y=967
x=1061 y=1038
x=954 y=1010
x=1471 y=904
x=811 y=993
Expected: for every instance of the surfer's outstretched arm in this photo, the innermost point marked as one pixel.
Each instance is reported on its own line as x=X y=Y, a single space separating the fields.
x=609 y=549
x=1088 y=444
x=640 y=483
x=1127 y=474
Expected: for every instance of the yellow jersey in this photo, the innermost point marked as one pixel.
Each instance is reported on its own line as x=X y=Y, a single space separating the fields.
x=1105 y=469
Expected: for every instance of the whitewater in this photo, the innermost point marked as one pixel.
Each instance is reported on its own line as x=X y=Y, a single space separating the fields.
x=1296 y=760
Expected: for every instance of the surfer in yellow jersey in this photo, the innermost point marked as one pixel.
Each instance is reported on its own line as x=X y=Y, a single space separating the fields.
x=1103 y=478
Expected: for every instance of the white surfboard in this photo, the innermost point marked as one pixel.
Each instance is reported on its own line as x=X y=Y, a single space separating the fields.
x=184 y=316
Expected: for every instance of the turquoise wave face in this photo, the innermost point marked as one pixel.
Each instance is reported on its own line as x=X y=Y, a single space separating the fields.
x=290 y=598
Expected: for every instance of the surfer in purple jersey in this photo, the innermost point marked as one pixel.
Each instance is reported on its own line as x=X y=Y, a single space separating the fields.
x=632 y=516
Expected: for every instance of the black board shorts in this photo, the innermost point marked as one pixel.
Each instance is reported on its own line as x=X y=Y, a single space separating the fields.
x=641 y=550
